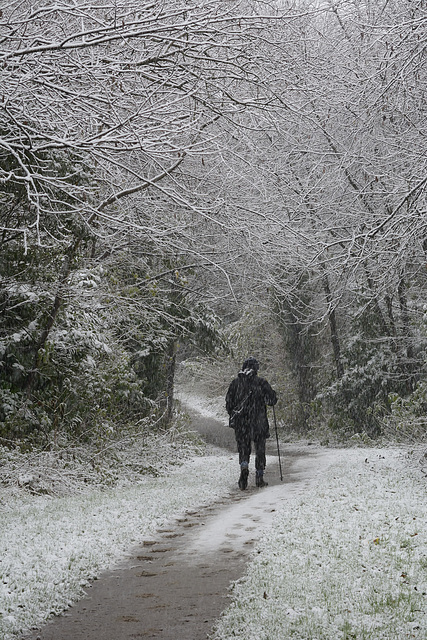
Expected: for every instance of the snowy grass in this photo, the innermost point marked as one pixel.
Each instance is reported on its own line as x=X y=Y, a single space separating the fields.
x=53 y=545
x=346 y=561
x=207 y=407
x=71 y=468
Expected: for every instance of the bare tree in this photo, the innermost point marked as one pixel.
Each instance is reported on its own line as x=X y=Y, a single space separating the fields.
x=334 y=184
x=106 y=110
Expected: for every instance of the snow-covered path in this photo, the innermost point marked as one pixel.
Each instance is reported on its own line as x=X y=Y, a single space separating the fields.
x=175 y=585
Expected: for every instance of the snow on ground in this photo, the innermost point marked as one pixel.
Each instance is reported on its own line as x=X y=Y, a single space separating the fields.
x=206 y=407
x=52 y=546
x=345 y=560
x=233 y=529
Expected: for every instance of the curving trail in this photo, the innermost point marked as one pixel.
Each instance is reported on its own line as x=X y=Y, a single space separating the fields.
x=175 y=585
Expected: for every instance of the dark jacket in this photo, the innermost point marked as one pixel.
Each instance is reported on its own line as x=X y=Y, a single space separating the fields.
x=246 y=401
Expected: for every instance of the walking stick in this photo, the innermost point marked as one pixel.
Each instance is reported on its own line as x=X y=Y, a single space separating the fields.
x=277 y=440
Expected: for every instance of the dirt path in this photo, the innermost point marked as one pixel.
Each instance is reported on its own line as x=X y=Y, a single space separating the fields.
x=175 y=585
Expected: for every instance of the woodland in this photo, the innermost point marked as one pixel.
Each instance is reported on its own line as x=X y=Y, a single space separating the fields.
x=203 y=180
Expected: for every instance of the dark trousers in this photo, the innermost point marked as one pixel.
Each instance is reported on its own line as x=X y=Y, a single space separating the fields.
x=244 y=447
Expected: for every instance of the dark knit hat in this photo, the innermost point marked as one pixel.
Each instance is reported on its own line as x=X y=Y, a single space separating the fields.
x=251 y=363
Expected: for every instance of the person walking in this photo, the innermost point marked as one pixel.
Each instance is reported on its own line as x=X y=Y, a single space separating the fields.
x=246 y=401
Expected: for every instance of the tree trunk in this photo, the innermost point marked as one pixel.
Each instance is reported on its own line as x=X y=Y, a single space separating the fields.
x=300 y=348
x=170 y=380
x=404 y=313
x=385 y=329
x=336 y=347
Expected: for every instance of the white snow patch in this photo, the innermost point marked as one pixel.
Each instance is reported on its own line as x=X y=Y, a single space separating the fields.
x=50 y=547
x=208 y=408
x=246 y=521
x=345 y=559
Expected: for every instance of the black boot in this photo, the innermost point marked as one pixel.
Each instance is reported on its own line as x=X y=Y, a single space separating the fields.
x=243 y=480
x=260 y=482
